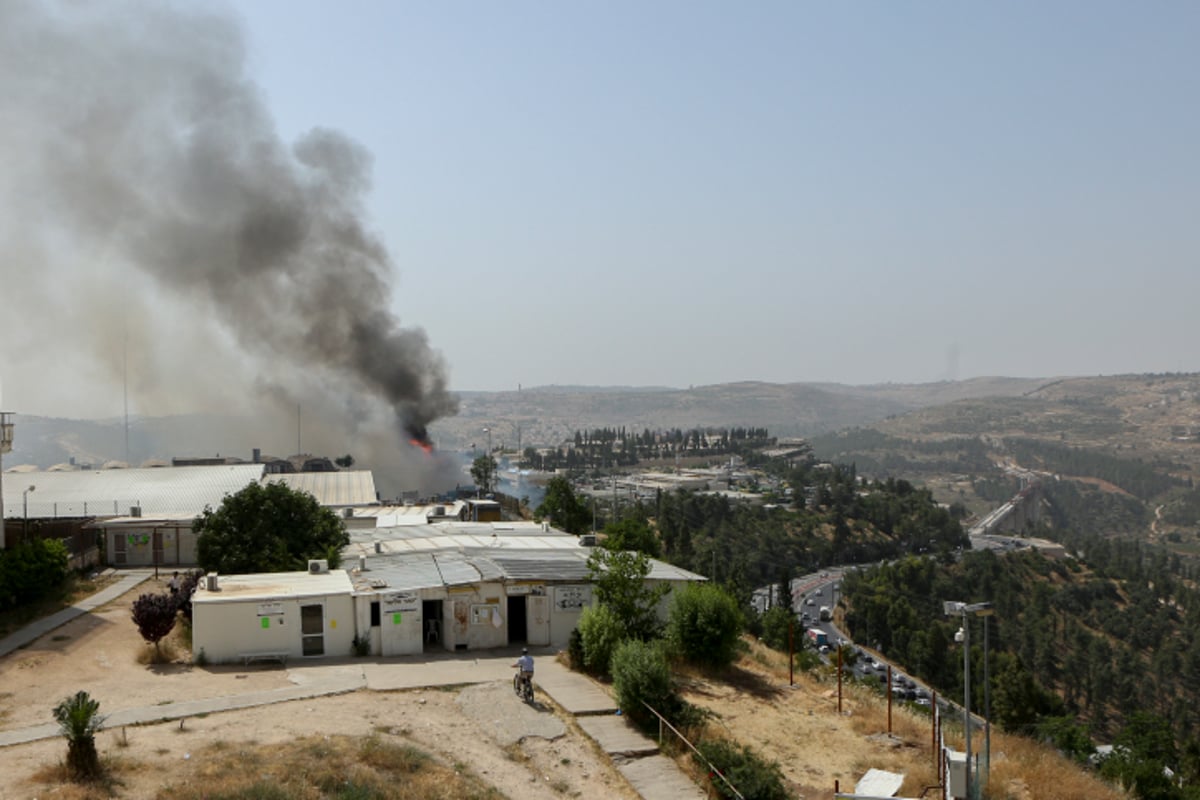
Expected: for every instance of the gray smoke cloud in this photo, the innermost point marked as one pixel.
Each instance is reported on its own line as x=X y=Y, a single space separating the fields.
x=140 y=161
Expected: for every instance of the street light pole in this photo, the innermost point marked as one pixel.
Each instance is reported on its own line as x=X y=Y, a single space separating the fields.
x=987 y=707
x=25 y=512
x=984 y=610
x=966 y=629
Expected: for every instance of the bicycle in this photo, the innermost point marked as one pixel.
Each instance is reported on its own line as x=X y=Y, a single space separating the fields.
x=523 y=686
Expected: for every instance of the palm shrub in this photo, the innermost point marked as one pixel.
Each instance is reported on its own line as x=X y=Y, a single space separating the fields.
x=78 y=719
x=600 y=631
x=704 y=625
x=641 y=675
x=154 y=615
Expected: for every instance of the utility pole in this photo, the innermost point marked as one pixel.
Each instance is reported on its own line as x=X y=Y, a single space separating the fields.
x=6 y=438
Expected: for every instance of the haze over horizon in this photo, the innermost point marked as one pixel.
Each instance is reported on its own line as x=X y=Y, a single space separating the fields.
x=679 y=194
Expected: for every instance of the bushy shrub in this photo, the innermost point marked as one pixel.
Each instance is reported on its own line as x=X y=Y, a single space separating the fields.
x=187 y=588
x=575 y=649
x=30 y=571
x=640 y=675
x=753 y=776
x=704 y=625
x=154 y=615
x=600 y=630
x=775 y=628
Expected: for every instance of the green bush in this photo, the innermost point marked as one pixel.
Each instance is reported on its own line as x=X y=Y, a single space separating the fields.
x=600 y=630
x=640 y=675
x=30 y=571
x=752 y=775
x=704 y=625
x=775 y=628
x=575 y=649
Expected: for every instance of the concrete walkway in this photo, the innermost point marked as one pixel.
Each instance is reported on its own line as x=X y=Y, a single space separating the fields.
x=129 y=579
x=652 y=775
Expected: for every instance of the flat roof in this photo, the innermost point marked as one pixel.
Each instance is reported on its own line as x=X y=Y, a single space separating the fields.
x=112 y=492
x=412 y=571
x=275 y=586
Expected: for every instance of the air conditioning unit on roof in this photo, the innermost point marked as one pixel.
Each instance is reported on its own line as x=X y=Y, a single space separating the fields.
x=317 y=566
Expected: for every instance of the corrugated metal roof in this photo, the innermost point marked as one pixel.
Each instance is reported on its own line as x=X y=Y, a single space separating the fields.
x=172 y=490
x=662 y=571
x=548 y=566
x=345 y=488
x=272 y=585
x=399 y=574
x=458 y=570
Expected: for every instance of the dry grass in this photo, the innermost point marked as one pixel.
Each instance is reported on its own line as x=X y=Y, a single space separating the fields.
x=165 y=653
x=313 y=767
x=1024 y=770
x=359 y=768
x=801 y=729
x=106 y=785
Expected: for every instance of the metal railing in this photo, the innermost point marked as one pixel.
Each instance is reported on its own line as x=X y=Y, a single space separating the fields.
x=713 y=767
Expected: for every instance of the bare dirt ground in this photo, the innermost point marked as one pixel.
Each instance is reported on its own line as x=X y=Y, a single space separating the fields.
x=476 y=728
x=481 y=729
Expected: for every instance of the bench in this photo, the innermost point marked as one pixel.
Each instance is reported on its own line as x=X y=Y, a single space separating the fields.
x=275 y=655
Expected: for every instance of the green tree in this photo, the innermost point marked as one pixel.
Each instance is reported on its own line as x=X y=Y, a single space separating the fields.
x=601 y=630
x=641 y=675
x=78 y=720
x=155 y=615
x=564 y=509
x=345 y=462
x=483 y=472
x=775 y=622
x=619 y=578
x=270 y=528
x=704 y=625
x=632 y=534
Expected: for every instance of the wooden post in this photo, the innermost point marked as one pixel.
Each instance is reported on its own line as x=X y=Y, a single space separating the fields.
x=839 y=651
x=791 y=655
x=889 y=695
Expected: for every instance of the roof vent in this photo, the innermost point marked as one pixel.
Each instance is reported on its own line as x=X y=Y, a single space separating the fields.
x=210 y=582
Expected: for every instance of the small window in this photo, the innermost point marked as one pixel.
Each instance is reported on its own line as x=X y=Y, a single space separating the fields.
x=375 y=621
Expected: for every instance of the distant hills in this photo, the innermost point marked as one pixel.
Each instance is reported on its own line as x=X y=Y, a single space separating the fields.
x=1159 y=413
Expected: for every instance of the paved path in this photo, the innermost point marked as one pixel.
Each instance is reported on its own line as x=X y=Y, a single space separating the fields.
x=652 y=775
x=41 y=627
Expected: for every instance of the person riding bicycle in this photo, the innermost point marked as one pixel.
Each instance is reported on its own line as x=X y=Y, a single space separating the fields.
x=525 y=664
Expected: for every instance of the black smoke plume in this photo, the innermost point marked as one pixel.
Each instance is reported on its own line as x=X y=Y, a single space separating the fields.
x=139 y=154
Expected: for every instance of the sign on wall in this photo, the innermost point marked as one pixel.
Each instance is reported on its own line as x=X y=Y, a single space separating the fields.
x=515 y=589
x=400 y=603
x=572 y=598
x=270 y=609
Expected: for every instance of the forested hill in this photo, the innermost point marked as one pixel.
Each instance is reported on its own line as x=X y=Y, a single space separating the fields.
x=1108 y=648
x=830 y=518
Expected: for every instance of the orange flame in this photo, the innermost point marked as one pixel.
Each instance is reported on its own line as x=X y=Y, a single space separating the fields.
x=426 y=446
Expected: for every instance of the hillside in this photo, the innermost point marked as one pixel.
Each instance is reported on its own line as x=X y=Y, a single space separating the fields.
x=543 y=416
x=242 y=753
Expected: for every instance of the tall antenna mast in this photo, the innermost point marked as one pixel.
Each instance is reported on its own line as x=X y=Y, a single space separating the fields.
x=125 y=381
x=298 y=449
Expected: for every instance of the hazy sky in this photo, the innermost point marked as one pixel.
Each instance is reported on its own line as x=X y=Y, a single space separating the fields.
x=689 y=193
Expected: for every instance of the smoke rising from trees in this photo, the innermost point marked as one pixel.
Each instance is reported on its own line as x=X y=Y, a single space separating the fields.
x=150 y=207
